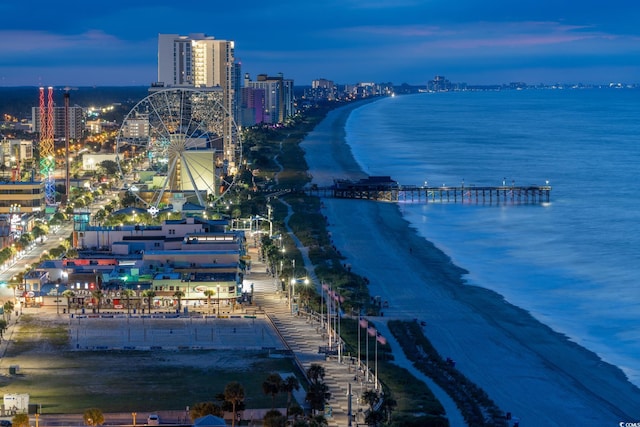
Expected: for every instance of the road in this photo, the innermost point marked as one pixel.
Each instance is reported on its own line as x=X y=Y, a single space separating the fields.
x=32 y=256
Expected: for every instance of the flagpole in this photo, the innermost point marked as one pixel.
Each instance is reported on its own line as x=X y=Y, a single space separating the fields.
x=359 y=327
x=322 y=306
x=339 y=338
x=376 y=375
x=367 y=356
x=329 y=317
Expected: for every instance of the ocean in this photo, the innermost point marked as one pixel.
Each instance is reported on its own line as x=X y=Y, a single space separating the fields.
x=573 y=263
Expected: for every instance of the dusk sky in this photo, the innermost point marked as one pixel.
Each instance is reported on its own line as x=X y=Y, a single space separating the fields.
x=115 y=42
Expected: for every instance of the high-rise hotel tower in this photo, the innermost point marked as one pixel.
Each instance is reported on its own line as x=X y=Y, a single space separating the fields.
x=203 y=62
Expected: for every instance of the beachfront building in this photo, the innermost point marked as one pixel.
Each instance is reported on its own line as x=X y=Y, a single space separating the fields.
x=322 y=89
x=201 y=61
x=252 y=103
x=279 y=100
x=136 y=239
x=192 y=258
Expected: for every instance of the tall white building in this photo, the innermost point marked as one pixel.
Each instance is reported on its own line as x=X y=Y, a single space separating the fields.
x=201 y=61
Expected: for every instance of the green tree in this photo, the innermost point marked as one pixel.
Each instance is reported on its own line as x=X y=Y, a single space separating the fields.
x=274 y=418
x=98 y=295
x=128 y=293
x=149 y=294
x=24 y=240
x=68 y=294
x=20 y=420
x=272 y=386
x=40 y=231
x=8 y=309
x=318 y=421
x=388 y=405
x=109 y=167
x=318 y=392
x=3 y=327
x=371 y=398
x=179 y=295
x=234 y=394
x=201 y=409
x=93 y=417
x=374 y=416
x=209 y=293
x=290 y=384
x=295 y=411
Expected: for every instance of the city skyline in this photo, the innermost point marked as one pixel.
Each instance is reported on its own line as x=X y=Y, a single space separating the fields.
x=348 y=41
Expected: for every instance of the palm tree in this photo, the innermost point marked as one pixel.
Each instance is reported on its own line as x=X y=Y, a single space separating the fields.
x=179 y=295
x=98 y=295
x=272 y=385
x=290 y=384
x=149 y=294
x=3 y=326
x=373 y=416
x=128 y=293
x=318 y=392
x=315 y=373
x=93 y=417
x=318 y=421
x=68 y=294
x=209 y=293
x=234 y=394
x=8 y=309
x=388 y=405
x=274 y=418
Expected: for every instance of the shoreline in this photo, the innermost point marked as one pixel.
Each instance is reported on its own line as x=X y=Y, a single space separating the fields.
x=527 y=368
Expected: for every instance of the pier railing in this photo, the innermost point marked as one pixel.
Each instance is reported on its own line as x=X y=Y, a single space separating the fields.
x=504 y=194
x=473 y=194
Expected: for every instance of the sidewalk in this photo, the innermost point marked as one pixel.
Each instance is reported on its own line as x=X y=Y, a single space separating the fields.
x=304 y=337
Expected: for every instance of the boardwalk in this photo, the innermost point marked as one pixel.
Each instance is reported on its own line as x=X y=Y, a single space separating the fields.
x=304 y=336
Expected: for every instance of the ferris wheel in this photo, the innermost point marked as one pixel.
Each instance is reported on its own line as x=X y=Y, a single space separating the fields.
x=179 y=145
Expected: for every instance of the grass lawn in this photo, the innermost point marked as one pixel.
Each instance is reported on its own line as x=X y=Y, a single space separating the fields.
x=67 y=381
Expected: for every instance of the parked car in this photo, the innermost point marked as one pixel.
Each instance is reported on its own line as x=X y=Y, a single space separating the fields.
x=5 y=423
x=153 y=420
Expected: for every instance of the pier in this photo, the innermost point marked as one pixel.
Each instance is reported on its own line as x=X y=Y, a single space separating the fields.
x=383 y=188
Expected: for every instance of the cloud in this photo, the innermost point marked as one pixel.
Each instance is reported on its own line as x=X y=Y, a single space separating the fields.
x=33 y=41
x=481 y=36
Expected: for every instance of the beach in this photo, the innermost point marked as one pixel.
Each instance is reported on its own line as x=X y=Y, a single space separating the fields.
x=528 y=369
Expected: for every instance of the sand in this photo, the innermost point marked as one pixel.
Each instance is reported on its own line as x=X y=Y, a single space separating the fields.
x=525 y=367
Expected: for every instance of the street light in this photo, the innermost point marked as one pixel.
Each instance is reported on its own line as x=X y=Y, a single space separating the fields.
x=292 y=288
x=57 y=299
